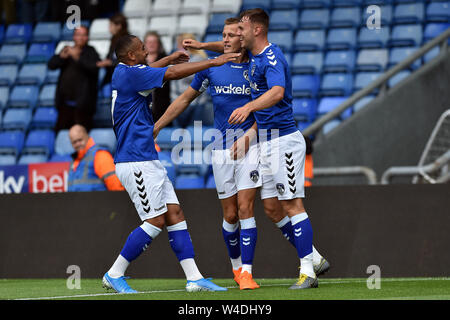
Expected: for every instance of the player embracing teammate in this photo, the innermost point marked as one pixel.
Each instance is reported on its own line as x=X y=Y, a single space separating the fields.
x=276 y=163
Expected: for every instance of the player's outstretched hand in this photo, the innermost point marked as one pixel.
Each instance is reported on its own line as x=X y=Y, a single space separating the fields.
x=191 y=44
x=178 y=57
x=226 y=57
x=239 y=115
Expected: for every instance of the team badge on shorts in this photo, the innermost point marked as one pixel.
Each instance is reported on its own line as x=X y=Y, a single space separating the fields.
x=254 y=176
x=280 y=188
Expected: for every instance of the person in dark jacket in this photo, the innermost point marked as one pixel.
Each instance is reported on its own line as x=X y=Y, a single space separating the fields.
x=76 y=92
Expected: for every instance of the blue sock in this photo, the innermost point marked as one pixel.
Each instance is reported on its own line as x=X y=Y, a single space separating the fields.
x=137 y=242
x=248 y=239
x=303 y=234
x=285 y=227
x=180 y=241
x=231 y=236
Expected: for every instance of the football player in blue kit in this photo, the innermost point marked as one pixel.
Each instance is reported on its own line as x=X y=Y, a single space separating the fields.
x=137 y=164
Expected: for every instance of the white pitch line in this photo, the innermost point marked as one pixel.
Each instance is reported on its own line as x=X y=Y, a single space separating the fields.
x=324 y=281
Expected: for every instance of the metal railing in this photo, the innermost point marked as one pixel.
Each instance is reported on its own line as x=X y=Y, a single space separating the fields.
x=380 y=82
x=413 y=170
x=347 y=171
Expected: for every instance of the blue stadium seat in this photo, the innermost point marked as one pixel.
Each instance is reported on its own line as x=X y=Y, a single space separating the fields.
x=376 y=38
x=23 y=96
x=430 y=55
x=4 y=97
x=250 y=4
x=330 y=125
x=305 y=85
x=386 y=14
x=399 y=54
x=11 y=142
x=336 y=84
x=2 y=33
x=377 y=2
x=166 y=161
x=307 y=62
x=18 y=33
x=8 y=74
x=40 y=141
x=328 y=104
x=314 y=18
x=438 y=12
x=44 y=117
x=32 y=74
x=432 y=30
x=216 y=22
x=406 y=35
x=17 y=119
x=309 y=40
x=102 y=117
x=52 y=76
x=372 y=59
x=104 y=137
x=286 y=4
x=316 y=3
x=283 y=19
x=341 y=39
x=339 y=61
x=363 y=79
x=283 y=39
x=409 y=13
x=62 y=143
x=347 y=3
x=345 y=17
x=398 y=78
x=32 y=158
x=12 y=53
x=361 y=103
x=304 y=109
x=46 y=32
x=189 y=182
x=40 y=52
x=7 y=159
x=47 y=95
x=60 y=158
x=210 y=182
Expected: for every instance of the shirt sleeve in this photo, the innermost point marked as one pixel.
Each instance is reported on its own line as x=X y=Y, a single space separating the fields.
x=201 y=81
x=274 y=72
x=144 y=78
x=106 y=170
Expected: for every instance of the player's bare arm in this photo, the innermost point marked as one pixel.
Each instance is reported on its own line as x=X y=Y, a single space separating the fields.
x=240 y=147
x=267 y=100
x=183 y=70
x=175 y=109
x=216 y=46
x=175 y=58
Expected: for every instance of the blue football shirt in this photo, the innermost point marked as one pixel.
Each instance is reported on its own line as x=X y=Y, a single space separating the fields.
x=229 y=89
x=131 y=112
x=266 y=70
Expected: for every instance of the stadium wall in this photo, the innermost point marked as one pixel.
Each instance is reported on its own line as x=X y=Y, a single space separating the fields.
x=391 y=130
x=401 y=228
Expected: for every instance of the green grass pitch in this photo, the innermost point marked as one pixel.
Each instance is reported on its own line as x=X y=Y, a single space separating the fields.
x=271 y=289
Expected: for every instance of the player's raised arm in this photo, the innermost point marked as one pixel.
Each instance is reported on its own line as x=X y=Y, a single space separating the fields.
x=174 y=58
x=216 y=46
x=175 y=109
x=186 y=69
x=267 y=100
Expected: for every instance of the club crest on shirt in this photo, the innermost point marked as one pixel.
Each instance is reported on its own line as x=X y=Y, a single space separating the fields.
x=245 y=74
x=280 y=188
x=254 y=176
x=253 y=69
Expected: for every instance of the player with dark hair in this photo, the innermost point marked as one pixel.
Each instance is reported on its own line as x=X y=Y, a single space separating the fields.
x=137 y=164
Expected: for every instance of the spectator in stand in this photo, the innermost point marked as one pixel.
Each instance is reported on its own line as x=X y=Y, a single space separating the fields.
x=179 y=86
x=118 y=27
x=93 y=167
x=76 y=92
x=161 y=96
